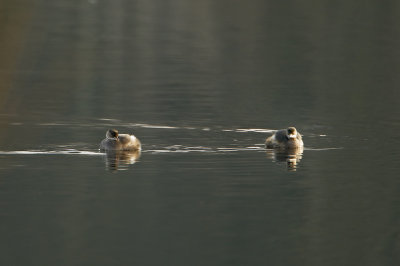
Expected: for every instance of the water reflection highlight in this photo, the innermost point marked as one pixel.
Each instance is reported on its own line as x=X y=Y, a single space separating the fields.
x=291 y=157
x=121 y=160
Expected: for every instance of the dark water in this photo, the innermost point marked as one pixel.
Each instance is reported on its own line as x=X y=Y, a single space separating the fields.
x=202 y=84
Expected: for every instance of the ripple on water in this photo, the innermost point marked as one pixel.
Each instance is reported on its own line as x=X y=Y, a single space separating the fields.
x=167 y=149
x=52 y=152
x=81 y=148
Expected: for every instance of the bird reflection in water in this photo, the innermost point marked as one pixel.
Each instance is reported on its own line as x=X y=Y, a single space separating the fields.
x=292 y=157
x=120 y=160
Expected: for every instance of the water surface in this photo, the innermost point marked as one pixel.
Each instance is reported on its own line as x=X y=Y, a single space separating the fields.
x=201 y=84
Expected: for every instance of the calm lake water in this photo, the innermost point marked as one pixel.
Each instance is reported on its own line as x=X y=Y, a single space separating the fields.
x=201 y=84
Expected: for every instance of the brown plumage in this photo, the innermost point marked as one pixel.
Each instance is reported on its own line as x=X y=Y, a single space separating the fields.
x=122 y=142
x=285 y=139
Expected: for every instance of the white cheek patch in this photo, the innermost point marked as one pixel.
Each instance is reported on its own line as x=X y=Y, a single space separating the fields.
x=292 y=136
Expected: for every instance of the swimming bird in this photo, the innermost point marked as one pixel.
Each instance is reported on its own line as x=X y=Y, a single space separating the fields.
x=119 y=142
x=285 y=139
